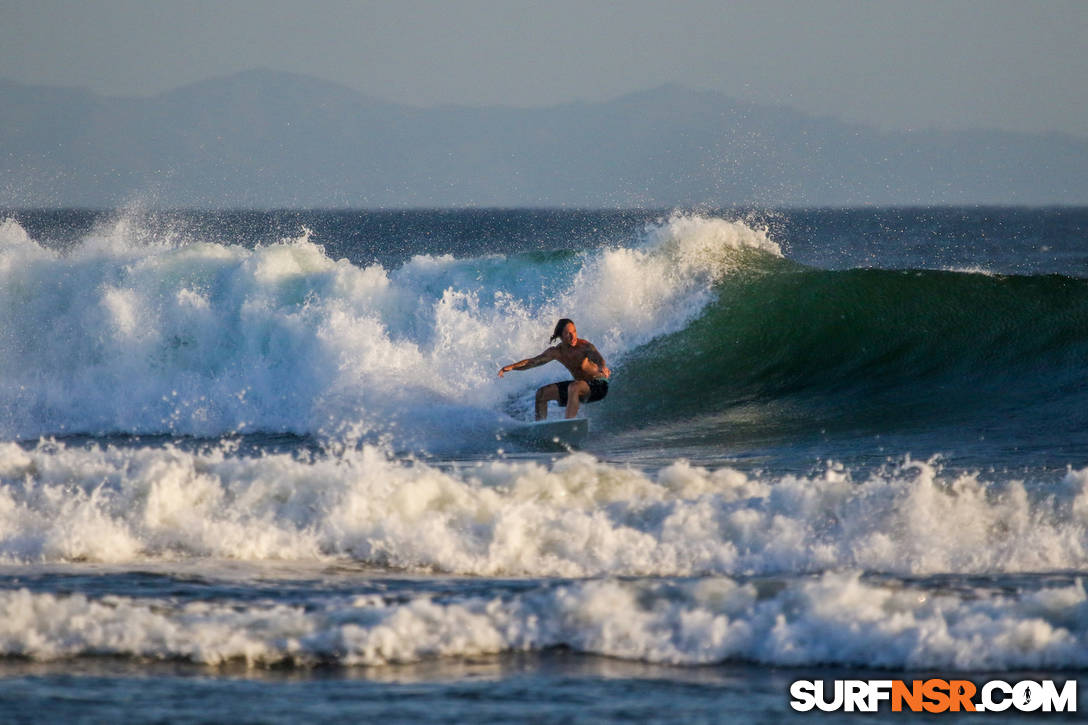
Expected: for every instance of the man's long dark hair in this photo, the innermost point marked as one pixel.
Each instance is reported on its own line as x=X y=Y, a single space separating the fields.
x=558 y=333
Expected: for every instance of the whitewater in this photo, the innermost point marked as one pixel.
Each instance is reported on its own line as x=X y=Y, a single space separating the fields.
x=208 y=339
x=843 y=441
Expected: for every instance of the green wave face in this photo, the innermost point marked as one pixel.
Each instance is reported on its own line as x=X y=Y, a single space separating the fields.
x=863 y=350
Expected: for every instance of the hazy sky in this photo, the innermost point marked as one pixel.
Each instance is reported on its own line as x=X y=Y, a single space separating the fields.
x=1011 y=64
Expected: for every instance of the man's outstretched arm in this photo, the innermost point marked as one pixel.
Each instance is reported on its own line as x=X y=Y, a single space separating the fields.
x=531 y=362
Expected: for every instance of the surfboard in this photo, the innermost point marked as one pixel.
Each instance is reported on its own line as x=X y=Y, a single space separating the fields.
x=549 y=433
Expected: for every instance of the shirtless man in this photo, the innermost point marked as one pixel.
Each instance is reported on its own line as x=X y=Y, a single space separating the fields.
x=585 y=364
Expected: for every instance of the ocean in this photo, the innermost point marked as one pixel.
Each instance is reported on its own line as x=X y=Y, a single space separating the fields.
x=251 y=467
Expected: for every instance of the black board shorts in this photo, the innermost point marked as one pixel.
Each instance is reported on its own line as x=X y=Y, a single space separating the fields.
x=598 y=388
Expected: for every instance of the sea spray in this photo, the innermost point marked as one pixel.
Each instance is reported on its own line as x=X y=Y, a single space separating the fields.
x=208 y=339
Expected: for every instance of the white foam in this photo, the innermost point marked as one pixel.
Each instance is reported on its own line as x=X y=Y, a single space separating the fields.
x=206 y=339
x=834 y=619
x=576 y=517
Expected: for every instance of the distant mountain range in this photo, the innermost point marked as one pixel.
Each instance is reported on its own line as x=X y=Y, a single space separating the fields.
x=271 y=139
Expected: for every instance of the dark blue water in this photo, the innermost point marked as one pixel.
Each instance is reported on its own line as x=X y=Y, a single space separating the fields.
x=249 y=468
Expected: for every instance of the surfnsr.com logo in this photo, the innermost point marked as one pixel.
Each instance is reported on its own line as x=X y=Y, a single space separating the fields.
x=933 y=695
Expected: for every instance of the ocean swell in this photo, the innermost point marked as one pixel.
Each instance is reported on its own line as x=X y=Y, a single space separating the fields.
x=873 y=351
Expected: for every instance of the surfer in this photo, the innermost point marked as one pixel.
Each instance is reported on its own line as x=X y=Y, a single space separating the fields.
x=588 y=367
